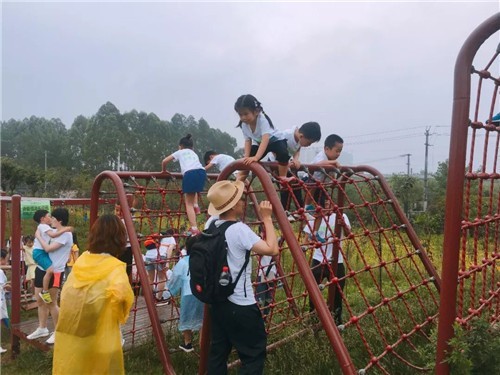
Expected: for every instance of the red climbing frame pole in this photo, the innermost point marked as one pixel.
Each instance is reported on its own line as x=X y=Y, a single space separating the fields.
x=324 y=315
x=136 y=251
x=455 y=192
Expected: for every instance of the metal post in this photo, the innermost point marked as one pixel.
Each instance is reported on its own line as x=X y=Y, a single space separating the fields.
x=426 y=181
x=45 y=184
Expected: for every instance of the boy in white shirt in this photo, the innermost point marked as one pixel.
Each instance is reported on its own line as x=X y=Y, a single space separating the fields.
x=296 y=138
x=327 y=157
x=322 y=264
x=221 y=161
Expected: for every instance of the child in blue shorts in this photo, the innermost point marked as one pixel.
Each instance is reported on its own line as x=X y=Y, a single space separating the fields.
x=40 y=256
x=193 y=177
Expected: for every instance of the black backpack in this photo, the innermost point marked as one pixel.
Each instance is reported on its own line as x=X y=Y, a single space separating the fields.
x=207 y=258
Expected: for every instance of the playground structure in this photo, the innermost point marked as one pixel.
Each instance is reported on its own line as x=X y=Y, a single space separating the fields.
x=393 y=293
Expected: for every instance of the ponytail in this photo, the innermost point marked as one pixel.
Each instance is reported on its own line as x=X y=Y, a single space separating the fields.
x=187 y=141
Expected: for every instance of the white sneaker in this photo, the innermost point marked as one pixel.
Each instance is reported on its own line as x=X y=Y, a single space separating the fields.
x=39 y=332
x=2 y=350
x=291 y=218
x=51 y=339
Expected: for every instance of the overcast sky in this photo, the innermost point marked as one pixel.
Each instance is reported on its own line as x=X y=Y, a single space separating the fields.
x=376 y=73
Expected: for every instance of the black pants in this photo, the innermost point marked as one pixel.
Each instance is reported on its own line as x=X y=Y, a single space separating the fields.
x=320 y=272
x=279 y=149
x=297 y=192
x=127 y=258
x=241 y=327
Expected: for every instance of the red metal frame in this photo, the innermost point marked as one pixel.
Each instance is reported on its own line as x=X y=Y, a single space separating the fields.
x=456 y=176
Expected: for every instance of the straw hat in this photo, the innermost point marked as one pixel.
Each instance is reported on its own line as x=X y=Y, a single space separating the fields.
x=224 y=195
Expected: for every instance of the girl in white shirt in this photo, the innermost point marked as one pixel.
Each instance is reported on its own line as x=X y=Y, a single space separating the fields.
x=260 y=135
x=193 y=177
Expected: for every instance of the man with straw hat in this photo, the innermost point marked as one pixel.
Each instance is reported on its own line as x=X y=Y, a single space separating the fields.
x=238 y=322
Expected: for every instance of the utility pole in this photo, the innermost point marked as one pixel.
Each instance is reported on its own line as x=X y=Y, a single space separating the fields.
x=407 y=163
x=45 y=185
x=405 y=201
x=426 y=181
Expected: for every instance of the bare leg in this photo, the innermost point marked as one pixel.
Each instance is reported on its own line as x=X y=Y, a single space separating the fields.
x=188 y=336
x=46 y=278
x=43 y=309
x=53 y=308
x=162 y=278
x=189 y=199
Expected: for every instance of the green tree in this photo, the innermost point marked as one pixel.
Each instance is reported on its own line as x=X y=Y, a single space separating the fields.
x=12 y=175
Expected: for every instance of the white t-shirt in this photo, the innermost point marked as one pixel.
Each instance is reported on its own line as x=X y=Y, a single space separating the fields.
x=289 y=134
x=262 y=127
x=267 y=269
x=3 y=303
x=320 y=156
x=323 y=232
x=188 y=159
x=222 y=161
x=240 y=239
x=43 y=229
x=165 y=243
x=60 y=256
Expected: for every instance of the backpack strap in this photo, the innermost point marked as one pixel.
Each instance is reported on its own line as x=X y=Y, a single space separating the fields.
x=222 y=230
x=247 y=259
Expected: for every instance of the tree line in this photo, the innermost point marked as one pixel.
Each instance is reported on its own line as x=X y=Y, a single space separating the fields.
x=43 y=157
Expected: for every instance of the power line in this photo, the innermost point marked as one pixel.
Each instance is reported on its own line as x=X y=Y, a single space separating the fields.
x=384 y=132
x=395 y=138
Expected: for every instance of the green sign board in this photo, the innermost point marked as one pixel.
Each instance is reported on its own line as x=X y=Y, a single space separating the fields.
x=28 y=207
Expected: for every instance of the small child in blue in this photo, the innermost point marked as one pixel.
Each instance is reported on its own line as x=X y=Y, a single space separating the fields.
x=40 y=256
x=260 y=135
x=193 y=177
x=191 y=316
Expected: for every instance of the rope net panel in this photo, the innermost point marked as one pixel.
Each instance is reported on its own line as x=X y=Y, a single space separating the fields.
x=472 y=217
x=344 y=244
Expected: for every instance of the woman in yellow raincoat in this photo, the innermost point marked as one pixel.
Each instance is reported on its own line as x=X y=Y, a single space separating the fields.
x=95 y=300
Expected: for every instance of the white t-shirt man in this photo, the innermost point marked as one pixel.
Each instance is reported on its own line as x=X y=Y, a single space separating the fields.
x=240 y=239
x=323 y=232
x=60 y=256
x=188 y=160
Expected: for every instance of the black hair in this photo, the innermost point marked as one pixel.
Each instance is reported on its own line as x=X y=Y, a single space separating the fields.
x=206 y=158
x=62 y=215
x=75 y=239
x=250 y=102
x=27 y=238
x=190 y=241
x=332 y=140
x=311 y=130
x=168 y=232
x=3 y=253
x=39 y=214
x=187 y=141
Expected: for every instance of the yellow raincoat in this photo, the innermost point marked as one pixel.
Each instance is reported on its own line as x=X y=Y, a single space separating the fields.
x=95 y=300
